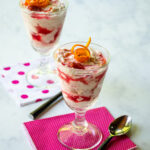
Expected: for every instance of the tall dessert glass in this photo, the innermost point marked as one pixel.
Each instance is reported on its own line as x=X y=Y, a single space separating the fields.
x=44 y=25
x=81 y=84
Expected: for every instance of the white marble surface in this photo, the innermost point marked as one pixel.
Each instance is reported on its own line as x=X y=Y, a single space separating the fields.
x=121 y=26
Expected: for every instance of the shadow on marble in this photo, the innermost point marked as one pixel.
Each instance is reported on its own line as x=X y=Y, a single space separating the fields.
x=134 y=132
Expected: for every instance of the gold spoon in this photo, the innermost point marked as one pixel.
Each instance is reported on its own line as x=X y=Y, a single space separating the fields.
x=119 y=126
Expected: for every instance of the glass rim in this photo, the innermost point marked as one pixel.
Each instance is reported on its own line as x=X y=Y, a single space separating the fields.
x=108 y=59
x=41 y=12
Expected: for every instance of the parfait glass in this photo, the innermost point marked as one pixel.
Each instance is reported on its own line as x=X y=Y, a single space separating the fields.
x=44 y=29
x=80 y=88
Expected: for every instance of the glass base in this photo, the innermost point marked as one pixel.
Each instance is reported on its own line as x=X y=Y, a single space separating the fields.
x=42 y=78
x=88 y=138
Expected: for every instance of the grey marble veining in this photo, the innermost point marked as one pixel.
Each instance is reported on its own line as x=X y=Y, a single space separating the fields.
x=123 y=27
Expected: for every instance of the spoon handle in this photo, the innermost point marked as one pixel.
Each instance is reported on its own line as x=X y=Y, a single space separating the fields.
x=104 y=144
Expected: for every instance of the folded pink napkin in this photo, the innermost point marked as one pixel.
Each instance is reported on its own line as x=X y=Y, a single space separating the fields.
x=42 y=133
x=14 y=80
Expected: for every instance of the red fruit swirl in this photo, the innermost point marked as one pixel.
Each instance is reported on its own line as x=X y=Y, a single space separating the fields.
x=67 y=78
x=75 y=98
x=36 y=37
x=102 y=59
x=38 y=16
x=42 y=30
x=56 y=35
x=99 y=78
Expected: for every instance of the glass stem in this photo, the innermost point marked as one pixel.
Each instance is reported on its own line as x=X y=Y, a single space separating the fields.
x=44 y=63
x=80 y=122
x=44 y=60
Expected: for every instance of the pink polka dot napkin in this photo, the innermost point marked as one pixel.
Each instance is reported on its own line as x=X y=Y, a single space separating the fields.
x=42 y=134
x=14 y=80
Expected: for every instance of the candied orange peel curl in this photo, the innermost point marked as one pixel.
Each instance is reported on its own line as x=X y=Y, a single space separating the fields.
x=81 y=54
x=37 y=3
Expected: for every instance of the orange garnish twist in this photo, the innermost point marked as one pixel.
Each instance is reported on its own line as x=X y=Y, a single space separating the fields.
x=81 y=54
x=88 y=43
x=37 y=3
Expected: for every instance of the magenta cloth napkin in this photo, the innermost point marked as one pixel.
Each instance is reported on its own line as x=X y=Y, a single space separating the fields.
x=42 y=133
x=14 y=80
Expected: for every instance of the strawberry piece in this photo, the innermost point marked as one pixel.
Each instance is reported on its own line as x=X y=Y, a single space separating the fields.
x=76 y=65
x=67 y=55
x=102 y=58
x=63 y=64
x=66 y=50
x=34 y=8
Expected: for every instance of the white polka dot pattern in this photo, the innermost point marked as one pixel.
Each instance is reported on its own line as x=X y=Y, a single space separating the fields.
x=14 y=80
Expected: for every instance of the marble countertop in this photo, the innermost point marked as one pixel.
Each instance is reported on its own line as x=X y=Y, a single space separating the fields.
x=123 y=27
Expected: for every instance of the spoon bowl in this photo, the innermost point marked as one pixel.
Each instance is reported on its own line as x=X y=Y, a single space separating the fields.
x=118 y=127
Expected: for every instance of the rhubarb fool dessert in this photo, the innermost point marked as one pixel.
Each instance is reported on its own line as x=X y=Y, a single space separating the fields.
x=44 y=21
x=81 y=70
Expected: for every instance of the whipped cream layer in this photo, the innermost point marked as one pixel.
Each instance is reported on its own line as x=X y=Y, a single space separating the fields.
x=67 y=58
x=81 y=82
x=44 y=25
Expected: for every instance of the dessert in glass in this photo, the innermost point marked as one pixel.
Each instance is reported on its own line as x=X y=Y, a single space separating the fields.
x=81 y=68
x=43 y=20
